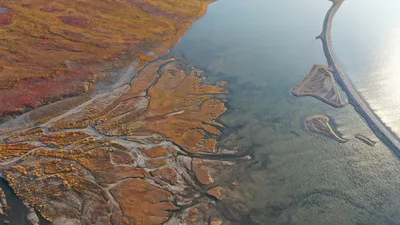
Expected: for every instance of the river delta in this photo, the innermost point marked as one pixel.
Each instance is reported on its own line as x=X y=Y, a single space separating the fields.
x=211 y=132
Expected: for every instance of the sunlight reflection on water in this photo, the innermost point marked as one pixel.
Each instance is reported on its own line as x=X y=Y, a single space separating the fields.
x=388 y=77
x=371 y=54
x=263 y=48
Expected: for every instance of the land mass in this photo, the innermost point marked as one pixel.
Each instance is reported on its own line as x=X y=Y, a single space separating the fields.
x=99 y=145
x=319 y=83
x=52 y=50
x=320 y=124
x=143 y=153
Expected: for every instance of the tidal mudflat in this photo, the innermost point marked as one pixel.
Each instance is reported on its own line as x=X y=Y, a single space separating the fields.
x=292 y=176
x=105 y=131
x=150 y=143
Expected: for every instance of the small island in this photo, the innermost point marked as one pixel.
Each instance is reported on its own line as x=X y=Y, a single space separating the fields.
x=320 y=83
x=320 y=124
x=366 y=140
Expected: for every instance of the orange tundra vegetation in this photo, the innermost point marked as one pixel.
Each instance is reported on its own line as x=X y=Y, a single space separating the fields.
x=50 y=50
x=85 y=167
x=143 y=152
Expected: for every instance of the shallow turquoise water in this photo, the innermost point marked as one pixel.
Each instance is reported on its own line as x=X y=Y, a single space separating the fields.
x=263 y=48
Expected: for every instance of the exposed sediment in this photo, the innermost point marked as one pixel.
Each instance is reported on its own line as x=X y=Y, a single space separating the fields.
x=136 y=146
x=375 y=123
x=320 y=124
x=319 y=83
x=366 y=140
x=3 y=203
x=141 y=154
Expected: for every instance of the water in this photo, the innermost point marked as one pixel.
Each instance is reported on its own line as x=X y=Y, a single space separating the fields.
x=3 y=10
x=375 y=29
x=263 y=48
x=17 y=214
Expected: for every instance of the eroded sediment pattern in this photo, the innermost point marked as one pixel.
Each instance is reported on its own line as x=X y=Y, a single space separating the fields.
x=320 y=124
x=320 y=84
x=142 y=154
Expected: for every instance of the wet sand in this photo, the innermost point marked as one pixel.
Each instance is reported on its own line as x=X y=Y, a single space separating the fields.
x=366 y=140
x=320 y=84
x=320 y=124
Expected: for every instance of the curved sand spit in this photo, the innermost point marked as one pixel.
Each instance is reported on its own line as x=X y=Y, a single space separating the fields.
x=321 y=124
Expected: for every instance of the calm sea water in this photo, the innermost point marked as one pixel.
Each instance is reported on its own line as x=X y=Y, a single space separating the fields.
x=367 y=41
x=263 y=48
x=17 y=214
